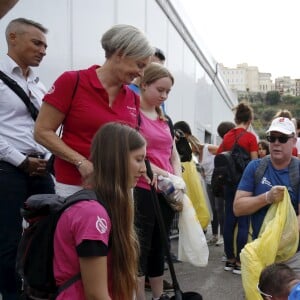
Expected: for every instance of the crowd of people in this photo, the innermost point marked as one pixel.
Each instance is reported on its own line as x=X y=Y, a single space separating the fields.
x=111 y=118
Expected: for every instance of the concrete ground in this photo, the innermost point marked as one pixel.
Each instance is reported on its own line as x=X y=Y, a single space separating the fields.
x=212 y=282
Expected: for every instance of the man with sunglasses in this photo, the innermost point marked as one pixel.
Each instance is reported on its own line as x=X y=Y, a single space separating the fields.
x=255 y=199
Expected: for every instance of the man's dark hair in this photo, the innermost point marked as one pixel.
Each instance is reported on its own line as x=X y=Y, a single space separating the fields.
x=183 y=126
x=159 y=54
x=275 y=278
x=22 y=21
x=224 y=127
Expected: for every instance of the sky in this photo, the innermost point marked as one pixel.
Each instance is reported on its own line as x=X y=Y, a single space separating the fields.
x=262 y=33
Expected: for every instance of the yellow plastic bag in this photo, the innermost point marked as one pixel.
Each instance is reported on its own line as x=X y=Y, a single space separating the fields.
x=277 y=242
x=195 y=193
x=192 y=245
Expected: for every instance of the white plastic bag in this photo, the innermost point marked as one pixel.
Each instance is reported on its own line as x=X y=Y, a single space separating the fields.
x=192 y=245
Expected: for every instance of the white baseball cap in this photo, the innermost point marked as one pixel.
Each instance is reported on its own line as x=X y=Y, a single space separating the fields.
x=283 y=125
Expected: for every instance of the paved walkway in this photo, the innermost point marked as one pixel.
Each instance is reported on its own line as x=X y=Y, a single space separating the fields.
x=212 y=282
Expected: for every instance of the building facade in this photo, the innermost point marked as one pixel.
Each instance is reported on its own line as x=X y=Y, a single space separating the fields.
x=246 y=78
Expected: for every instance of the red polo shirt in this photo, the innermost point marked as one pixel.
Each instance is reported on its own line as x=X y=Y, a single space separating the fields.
x=86 y=113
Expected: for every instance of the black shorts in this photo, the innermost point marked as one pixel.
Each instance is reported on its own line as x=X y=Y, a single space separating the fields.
x=152 y=252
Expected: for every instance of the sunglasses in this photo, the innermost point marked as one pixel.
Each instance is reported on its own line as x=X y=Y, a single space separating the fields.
x=262 y=293
x=281 y=138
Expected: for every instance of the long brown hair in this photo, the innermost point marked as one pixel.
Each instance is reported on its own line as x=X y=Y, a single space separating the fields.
x=110 y=151
x=243 y=113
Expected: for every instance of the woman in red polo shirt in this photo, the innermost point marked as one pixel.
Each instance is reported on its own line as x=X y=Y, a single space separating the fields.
x=246 y=139
x=85 y=100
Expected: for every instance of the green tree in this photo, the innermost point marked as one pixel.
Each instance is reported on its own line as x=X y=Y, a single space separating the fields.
x=272 y=98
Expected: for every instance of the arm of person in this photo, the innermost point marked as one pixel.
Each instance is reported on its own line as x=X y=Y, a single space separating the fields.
x=94 y=277
x=10 y=154
x=32 y=166
x=213 y=149
x=48 y=121
x=246 y=204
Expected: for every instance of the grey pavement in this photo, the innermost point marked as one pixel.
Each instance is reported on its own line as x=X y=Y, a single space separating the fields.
x=212 y=282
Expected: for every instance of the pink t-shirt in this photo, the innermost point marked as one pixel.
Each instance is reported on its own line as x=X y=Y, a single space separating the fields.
x=85 y=220
x=159 y=145
x=86 y=113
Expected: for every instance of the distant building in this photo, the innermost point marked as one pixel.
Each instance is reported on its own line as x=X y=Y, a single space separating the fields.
x=285 y=86
x=246 y=78
x=265 y=82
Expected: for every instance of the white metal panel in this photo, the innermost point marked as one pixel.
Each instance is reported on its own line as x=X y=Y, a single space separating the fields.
x=55 y=16
x=130 y=12
x=75 y=30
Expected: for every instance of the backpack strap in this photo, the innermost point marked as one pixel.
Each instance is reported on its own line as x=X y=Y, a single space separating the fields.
x=171 y=126
x=294 y=172
x=238 y=137
x=68 y=283
x=82 y=195
x=261 y=169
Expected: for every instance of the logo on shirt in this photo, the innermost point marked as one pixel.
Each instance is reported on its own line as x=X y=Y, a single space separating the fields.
x=101 y=225
x=265 y=181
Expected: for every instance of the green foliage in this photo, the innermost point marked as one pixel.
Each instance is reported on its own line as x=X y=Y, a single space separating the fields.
x=272 y=97
x=264 y=112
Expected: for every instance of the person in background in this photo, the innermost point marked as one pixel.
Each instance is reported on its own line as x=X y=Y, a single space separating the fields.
x=222 y=129
x=279 y=282
x=247 y=140
x=161 y=151
x=6 y=6
x=157 y=57
x=297 y=121
x=263 y=148
x=285 y=113
x=100 y=96
x=107 y=272
x=22 y=161
x=188 y=146
x=204 y=154
x=255 y=199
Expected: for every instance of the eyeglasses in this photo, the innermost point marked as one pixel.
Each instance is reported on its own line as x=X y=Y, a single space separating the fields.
x=262 y=293
x=281 y=138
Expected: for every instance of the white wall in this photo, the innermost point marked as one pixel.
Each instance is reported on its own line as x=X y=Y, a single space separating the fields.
x=75 y=29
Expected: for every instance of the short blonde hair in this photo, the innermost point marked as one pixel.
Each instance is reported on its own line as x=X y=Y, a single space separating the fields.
x=127 y=39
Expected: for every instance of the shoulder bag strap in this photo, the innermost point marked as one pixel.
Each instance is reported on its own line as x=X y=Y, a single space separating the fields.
x=72 y=97
x=138 y=114
x=13 y=85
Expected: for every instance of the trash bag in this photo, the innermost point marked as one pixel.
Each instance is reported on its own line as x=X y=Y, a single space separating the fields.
x=195 y=193
x=192 y=245
x=277 y=242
